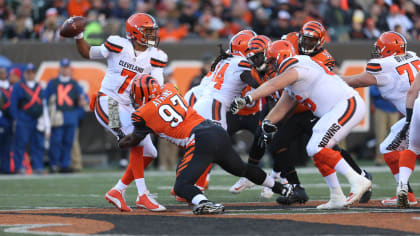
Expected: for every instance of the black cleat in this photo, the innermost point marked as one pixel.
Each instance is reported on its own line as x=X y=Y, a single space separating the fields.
x=208 y=208
x=368 y=194
x=298 y=195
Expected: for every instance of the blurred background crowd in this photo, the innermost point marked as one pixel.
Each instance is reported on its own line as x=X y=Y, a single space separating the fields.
x=211 y=19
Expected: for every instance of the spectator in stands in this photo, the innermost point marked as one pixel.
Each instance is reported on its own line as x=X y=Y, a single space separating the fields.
x=357 y=25
x=395 y=17
x=93 y=32
x=241 y=14
x=370 y=31
x=29 y=110
x=122 y=10
x=6 y=122
x=385 y=116
x=378 y=12
x=282 y=25
x=337 y=20
x=63 y=95
x=190 y=15
x=50 y=31
x=261 y=22
x=416 y=31
x=209 y=25
x=172 y=32
x=103 y=9
x=78 y=7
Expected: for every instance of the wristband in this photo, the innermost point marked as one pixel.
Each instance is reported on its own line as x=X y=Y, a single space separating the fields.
x=79 y=36
x=248 y=99
x=409 y=114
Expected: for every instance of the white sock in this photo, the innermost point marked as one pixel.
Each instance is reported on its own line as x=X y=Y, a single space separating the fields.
x=268 y=182
x=274 y=174
x=342 y=167
x=198 y=198
x=332 y=180
x=397 y=177
x=120 y=186
x=141 y=186
x=405 y=173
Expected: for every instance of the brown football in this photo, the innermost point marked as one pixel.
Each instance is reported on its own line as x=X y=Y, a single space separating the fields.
x=73 y=26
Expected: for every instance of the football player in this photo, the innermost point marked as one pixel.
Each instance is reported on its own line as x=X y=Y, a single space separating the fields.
x=392 y=69
x=164 y=112
x=230 y=74
x=309 y=41
x=306 y=81
x=408 y=157
x=127 y=57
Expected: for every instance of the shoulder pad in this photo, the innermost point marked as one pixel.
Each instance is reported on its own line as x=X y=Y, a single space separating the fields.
x=287 y=63
x=114 y=43
x=159 y=59
x=373 y=66
x=244 y=64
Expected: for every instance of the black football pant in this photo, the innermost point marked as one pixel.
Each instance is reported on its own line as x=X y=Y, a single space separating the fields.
x=251 y=123
x=212 y=145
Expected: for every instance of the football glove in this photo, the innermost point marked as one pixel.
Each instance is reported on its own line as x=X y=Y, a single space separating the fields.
x=120 y=134
x=268 y=131
x=239 y=102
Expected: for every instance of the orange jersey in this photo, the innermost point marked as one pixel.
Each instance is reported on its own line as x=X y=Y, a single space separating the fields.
x=168 y=116
x=252 y=108
x=322 y=56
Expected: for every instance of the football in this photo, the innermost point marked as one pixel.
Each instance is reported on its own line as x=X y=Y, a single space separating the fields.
x=73 y=26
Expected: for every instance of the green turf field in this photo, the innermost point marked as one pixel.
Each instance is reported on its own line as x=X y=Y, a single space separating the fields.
x=87 y=189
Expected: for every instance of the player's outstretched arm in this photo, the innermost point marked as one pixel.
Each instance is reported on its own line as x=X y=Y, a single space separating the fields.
x=364 y=79
x=83 y=47
x=277 y=83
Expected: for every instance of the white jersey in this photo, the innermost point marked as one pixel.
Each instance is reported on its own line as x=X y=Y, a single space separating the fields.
x=124 y=63
x=316 y=87
x=196 y=92
x=225 y=82
x=394 y=74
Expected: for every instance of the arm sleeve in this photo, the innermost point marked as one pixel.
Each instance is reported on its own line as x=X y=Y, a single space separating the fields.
x=247 y=78
x=98 y=52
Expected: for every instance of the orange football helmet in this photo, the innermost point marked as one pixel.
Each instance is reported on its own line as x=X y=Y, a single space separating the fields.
x=143 y=29
x=388 y=44
x=239 y=43
x=248 y=32
x=143 y=89
x=293 y=38
x=278 y=51
x=311 y=37
x=257 y=48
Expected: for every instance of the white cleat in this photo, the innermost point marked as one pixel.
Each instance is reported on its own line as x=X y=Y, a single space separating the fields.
x=242 y=184
x=267 y=193
x=402 y=196
x=337 y=200
x=358 y=187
